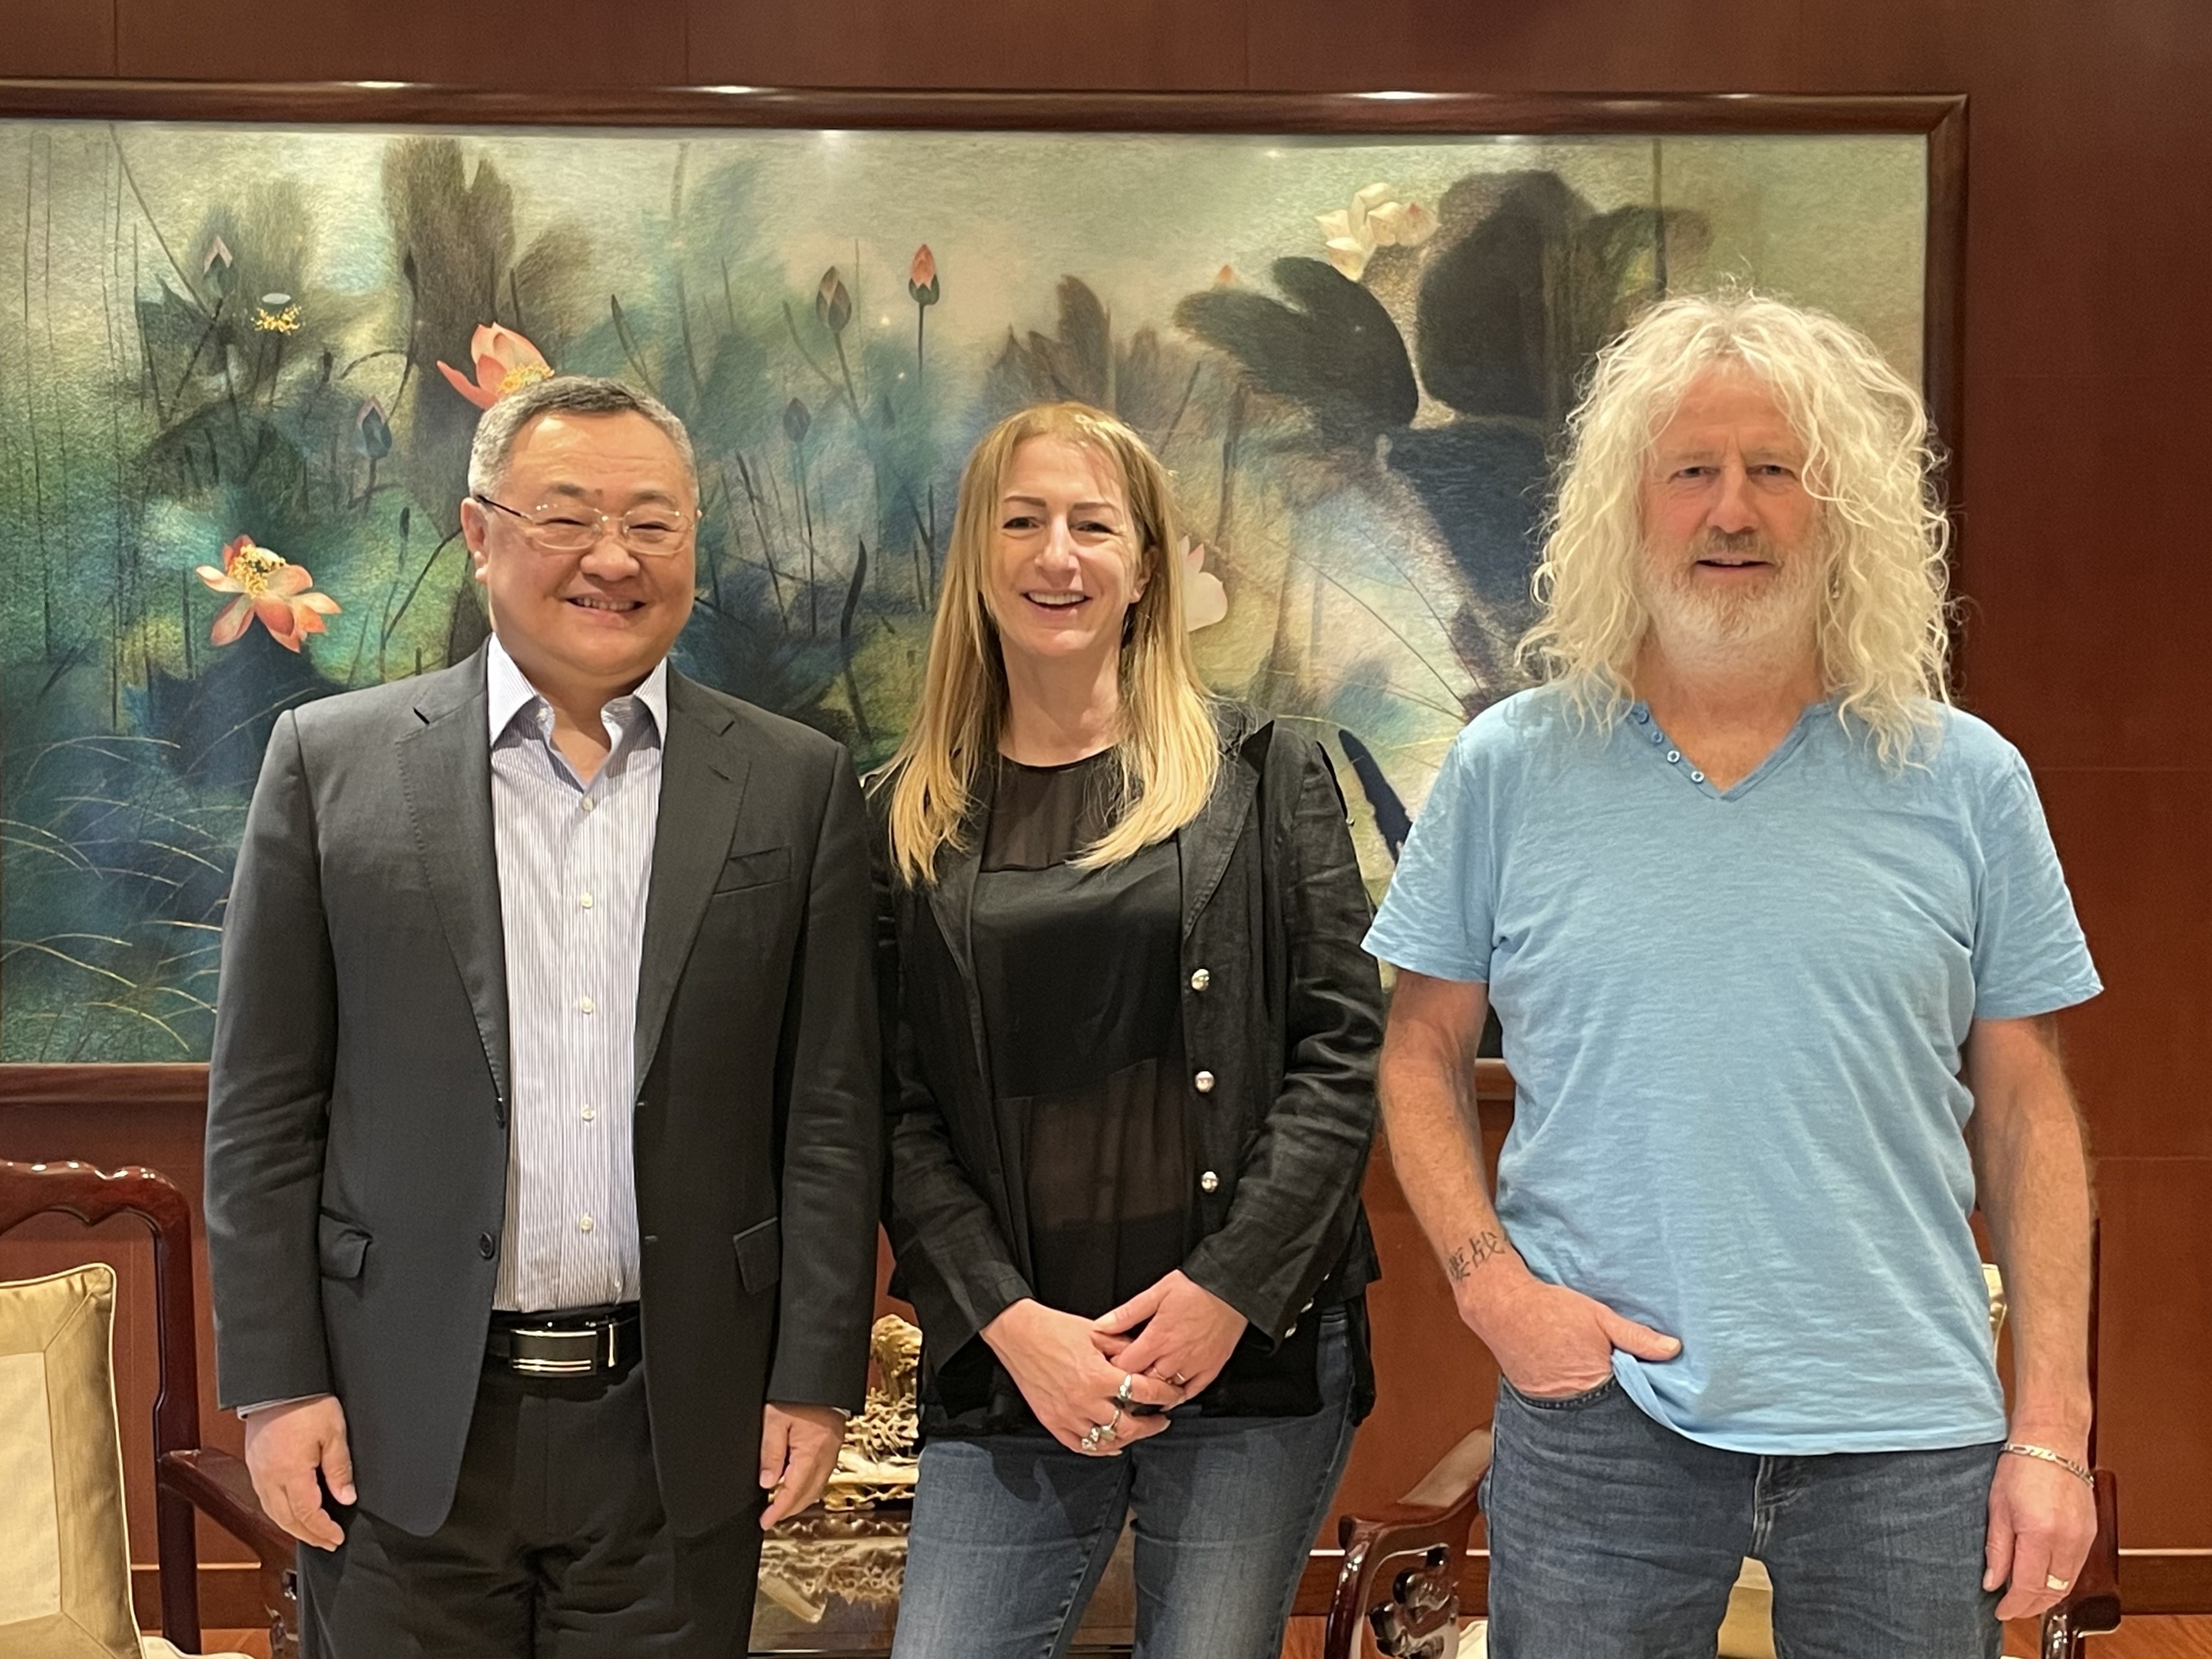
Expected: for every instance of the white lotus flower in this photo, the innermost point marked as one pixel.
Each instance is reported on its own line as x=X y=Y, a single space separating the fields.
x=1374 y=219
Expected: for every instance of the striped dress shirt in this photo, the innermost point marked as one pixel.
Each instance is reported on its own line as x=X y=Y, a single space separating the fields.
x=574 y=863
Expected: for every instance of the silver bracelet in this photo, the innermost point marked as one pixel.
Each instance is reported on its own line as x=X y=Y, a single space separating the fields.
x=2044 y=1454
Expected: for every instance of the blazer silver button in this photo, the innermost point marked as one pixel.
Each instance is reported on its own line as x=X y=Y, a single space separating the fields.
x=1209 y=1182
x=1200 y=980
x=1203 y=1083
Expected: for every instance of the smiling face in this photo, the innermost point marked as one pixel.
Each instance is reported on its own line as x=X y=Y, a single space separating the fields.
x=1064 y=563
x=588 y=625
x=1733 y=549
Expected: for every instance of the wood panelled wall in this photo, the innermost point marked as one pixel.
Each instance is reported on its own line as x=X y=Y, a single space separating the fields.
x=2088 y=422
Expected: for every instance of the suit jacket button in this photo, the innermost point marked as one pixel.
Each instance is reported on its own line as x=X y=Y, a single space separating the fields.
x=1203 y=1083
x=1200 y=980
x=1209 y=1182
x=487 y=1246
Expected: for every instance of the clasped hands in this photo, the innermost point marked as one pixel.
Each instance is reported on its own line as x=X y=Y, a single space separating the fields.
x=288 y=1446
x=1070 y=1370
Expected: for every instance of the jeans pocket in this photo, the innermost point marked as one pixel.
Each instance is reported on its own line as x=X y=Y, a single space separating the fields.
x=1565 y=1402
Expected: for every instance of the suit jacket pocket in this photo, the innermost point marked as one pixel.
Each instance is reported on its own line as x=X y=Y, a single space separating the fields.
x=760 y=1256
x=341 y=1245
x=741 y=870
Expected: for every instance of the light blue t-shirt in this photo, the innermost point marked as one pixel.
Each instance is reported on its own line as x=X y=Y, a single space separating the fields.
x=1736 y=1021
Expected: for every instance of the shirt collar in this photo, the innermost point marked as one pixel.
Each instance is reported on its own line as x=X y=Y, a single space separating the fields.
x=508 y=692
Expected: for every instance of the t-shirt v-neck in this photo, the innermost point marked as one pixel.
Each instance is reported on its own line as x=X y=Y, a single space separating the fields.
x=1643 y=722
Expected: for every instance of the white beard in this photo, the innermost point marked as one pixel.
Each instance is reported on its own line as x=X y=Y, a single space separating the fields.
x=1693 y=620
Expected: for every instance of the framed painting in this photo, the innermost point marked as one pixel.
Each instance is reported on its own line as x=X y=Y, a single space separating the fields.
x=246 y=333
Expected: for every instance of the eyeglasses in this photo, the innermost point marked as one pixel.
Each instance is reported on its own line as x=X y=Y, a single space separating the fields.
x=651 y=533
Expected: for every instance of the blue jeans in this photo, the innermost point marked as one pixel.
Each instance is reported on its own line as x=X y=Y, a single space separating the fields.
x=1012 y=1532
x=1613 y=1537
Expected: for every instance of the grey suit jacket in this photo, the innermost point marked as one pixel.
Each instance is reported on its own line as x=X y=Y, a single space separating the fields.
x=357 y=1138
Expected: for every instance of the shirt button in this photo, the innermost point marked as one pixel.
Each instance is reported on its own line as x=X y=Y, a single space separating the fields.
x=1200 y=980
x=487 y=1246
x=1657 y=739
x=1204 y=1084
x=585 y=1004
x=585 y=1225
x=590 y=1113
x=585 y=900
x=1696 y=776
x=1643 y=717
x=1673 y=756
x=1209 y=1182
x=588 y=803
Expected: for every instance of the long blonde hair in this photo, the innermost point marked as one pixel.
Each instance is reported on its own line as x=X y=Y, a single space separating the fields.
x=1883 y=632
x=1168 y=751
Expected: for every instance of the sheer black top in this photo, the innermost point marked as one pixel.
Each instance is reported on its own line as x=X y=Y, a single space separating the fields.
x=1078 y=972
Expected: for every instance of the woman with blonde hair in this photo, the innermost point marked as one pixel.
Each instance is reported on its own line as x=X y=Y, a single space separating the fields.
x=1133 y=1037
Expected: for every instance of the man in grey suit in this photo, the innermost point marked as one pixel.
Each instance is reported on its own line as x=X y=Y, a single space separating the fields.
x=542 y=1151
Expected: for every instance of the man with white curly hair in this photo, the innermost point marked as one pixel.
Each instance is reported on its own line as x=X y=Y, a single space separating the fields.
x=1775 y=935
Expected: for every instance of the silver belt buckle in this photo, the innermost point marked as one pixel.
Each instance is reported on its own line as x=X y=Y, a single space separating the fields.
x=550 y=1351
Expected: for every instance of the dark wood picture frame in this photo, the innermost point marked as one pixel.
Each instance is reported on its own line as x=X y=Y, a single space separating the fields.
x=1941 y=117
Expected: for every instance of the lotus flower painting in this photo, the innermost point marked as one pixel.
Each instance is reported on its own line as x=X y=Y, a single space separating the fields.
x=240 y=367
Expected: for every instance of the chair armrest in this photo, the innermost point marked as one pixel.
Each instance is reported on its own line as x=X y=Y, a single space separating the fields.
x=1402 y=1566
x=216 y=1484
x=2092 y=1607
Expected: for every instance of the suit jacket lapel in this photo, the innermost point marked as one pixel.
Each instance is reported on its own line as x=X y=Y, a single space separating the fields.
x=702 y=784
x=445 y=767
x=950 y=897
x=1204 y=845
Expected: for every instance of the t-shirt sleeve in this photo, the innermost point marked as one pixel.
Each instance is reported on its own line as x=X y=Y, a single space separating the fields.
x=2029 y=955
x=1436 y=919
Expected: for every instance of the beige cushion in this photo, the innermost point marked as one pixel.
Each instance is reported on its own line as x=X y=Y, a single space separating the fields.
x=66 y=1574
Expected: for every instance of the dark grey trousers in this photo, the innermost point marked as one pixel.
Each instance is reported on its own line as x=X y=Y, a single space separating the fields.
x=556 y=1547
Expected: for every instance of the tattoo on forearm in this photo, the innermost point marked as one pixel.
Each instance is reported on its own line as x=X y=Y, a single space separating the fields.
x=1461 y=1262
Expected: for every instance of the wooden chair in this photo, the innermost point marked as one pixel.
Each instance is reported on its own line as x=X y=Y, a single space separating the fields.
x=1405 y=1570
x=187 y=1476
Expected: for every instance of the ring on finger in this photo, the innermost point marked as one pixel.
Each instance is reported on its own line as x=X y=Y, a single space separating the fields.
x=1122 y=1395
x=1178 y=1380
x=2051 y=1581
x=1100 y=1434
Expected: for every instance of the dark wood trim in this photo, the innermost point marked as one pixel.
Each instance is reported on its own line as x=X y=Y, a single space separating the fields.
x=184 y=1085
x=2165 y=1581
x=1944 y=338
x=230 y=1596
x=2151 y=1582
x=1351 y=112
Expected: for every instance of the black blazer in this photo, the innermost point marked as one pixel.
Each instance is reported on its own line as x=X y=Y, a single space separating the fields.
x=357 y=1138
x=1279 y=1004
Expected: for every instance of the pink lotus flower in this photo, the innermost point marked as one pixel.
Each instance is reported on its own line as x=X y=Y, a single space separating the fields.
x=1205 y=600
x=505 y=363
x=921 y=284
x=269 y=586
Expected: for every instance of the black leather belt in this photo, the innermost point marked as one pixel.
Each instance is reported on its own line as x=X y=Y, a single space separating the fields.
x=578 y=1342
